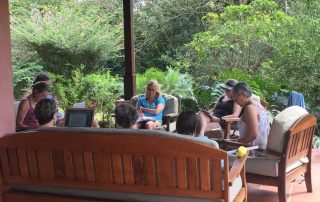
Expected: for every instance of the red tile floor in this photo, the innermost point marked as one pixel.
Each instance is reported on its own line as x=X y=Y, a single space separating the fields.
x=296 y=191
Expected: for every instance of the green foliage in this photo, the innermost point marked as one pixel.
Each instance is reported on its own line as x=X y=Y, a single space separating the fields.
x=70 y=34
x=171 y=81
x=102 y=89
x=23 y=77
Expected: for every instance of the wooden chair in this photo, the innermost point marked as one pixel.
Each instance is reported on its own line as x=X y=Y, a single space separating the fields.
x=170 y=112
x=91 y=165
x=288 y=152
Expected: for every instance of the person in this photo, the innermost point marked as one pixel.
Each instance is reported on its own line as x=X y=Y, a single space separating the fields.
x=225 y=107
x=42 y=77
x=25 y=114
x=46 y=113
x=126 y=116
x=189 y=123
x=254 y=124
x=151 y=106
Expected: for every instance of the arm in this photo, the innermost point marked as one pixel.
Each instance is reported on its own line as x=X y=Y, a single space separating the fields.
x=157 y=110
x=22 y=112
x=251 y=117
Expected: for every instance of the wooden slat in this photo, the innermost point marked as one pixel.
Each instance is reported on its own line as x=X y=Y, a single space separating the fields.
x=165 y=171
x=139 y=170
x=58 y=165
x=23 y=163
x=102 y=168
x=182 y=173
x=216 y=175
x=88 y=165
x=45 y=164
x=13 y=162
x=151 y=170
x=117 y=168
x=4 y=162
x=204 y=174
x=78 y=166
x=32 y=162
x=128 y=168
x=192 y=173
x=68 y=165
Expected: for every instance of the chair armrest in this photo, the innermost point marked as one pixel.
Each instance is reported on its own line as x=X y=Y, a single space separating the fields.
x=228 y=126
x=171 y=116
x=230 y=120
x=168 y=118
x=227 y=143
x=236 y=169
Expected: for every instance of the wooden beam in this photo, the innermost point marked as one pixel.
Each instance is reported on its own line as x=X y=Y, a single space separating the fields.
x=7 y=122
x=130 y=75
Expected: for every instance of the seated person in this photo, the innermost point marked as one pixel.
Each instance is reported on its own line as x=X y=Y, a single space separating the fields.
x=151 y=106
x=25 y=114
x=126 y=116
x=188 y=123
x=254 y=124
x=46 y=113
x=45 y=78
x=225 y=107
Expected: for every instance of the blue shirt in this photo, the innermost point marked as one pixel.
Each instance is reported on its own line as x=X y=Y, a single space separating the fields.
x=143 y=102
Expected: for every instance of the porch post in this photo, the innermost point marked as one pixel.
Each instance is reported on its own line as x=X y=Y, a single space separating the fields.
x=130 y=75
x=7 y=122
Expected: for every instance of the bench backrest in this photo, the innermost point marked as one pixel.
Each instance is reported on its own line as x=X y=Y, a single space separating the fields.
x=115 y=160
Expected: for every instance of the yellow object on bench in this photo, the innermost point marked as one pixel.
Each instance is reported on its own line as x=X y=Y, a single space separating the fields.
x=241 y=151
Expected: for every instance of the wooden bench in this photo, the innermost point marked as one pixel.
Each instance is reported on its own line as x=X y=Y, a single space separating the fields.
x=82 y=165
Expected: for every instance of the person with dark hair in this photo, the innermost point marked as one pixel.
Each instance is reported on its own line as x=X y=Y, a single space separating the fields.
x=46 y=113
x=254 y=124
x=42 y=78
x=188 y=123
x=126 y=116
x=25 y=114
x=225 y=107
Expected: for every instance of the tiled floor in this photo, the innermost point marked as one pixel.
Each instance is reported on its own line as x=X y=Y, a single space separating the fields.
x=297 y=190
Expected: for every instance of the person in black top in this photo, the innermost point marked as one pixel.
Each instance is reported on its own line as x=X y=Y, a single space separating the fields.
x=225 y=107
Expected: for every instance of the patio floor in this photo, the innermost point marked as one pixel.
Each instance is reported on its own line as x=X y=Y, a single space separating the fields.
x=297 y=190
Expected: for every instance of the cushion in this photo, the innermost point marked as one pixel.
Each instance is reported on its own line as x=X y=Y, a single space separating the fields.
x=281 y=124
x=121 y=196
x=267 y=167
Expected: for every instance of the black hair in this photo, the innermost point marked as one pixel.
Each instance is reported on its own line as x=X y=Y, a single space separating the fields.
x=41 y=77
x=45 y=110
x=242 y=88
x=126 y=115
x=40 y=87
x=188 y=123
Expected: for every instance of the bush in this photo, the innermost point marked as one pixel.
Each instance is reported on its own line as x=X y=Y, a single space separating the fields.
x=101 y=89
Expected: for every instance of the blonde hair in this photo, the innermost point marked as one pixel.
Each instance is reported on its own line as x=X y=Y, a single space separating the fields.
x=155 y=85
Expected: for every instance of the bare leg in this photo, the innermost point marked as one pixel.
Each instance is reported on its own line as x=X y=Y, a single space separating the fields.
x=206 y=123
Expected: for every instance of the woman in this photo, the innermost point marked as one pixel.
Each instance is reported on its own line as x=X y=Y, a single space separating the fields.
x=151 y=106
x=126 y=116
x=25 y=114
x=254 y=124
x=188 y=123
x=225 y=107
x=46 y=113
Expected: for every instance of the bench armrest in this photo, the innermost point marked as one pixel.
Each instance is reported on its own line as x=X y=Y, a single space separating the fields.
x=237 y=168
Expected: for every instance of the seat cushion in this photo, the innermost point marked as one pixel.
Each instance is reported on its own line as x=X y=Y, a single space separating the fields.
x=268 y=167
x=172 y=104
x=281 y=124
x=121 y=196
